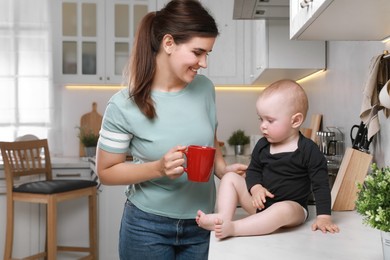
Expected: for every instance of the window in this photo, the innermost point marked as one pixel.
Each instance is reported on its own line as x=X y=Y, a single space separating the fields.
x=25 y=68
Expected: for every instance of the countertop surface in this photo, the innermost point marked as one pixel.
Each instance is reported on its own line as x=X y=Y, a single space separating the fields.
x=354 y=242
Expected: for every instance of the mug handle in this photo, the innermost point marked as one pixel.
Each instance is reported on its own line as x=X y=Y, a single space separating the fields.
x=185 y=152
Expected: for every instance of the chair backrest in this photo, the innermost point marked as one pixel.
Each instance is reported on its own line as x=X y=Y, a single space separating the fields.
x=23 y=158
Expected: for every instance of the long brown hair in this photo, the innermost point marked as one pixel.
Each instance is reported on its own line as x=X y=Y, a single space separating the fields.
x=183 y=19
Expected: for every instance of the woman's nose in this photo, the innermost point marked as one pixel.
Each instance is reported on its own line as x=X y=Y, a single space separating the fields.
x=203 y=61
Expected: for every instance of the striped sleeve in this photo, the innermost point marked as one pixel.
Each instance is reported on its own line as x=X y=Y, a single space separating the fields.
x=114 y=137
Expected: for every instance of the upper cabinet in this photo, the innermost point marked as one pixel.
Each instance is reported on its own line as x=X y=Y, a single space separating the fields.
x=93 y=39
x=360 y=20
x=275 y=56
x=225 y=63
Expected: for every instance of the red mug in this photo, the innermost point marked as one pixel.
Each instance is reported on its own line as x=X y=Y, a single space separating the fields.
x=200 y=161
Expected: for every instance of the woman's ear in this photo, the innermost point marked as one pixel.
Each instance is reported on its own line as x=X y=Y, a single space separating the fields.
x=297 y=120
x=168 y=43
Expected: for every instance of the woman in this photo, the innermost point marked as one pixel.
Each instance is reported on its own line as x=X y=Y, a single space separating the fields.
x=168 y=106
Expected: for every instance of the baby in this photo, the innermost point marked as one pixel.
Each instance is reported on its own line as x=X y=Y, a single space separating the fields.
x=284 y=169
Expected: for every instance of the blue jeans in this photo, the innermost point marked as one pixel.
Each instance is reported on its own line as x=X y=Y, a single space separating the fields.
x=147 y=236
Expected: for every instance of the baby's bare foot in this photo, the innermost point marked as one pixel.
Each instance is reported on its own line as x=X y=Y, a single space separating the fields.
x=223 y=229
x=206 y=221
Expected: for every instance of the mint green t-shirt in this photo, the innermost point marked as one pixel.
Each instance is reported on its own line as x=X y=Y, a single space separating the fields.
x=186 y=117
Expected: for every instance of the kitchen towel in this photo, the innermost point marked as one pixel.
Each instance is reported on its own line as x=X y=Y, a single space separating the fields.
x=377 y=77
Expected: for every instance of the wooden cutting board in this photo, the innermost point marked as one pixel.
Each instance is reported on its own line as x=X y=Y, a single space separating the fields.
x=90 y=121
x=315 y=125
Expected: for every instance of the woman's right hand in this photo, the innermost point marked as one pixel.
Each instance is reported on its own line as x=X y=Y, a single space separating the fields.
x=259 y=194
x=172 y=162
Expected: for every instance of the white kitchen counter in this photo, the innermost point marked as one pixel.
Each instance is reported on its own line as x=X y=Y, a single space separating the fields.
x=354 y=242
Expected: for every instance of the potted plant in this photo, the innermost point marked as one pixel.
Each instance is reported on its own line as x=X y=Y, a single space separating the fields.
x=238 y=139
x=373 y=202
x=89 y=140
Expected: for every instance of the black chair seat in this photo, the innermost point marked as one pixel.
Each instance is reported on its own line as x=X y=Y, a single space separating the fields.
x=53 y=186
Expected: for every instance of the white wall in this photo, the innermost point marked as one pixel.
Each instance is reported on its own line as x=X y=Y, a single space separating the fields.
x=337 y=94
x=76 y=103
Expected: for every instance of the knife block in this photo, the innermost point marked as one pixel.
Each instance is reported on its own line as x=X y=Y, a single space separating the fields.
x=353 y=170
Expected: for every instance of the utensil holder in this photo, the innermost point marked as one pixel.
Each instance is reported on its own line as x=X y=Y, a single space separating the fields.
x=353 y=169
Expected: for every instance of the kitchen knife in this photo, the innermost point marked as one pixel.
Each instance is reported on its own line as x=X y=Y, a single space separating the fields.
x=365 y=144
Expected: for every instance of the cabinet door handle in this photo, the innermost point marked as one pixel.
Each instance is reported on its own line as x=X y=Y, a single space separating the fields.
x=305 y=3
x=63 y=175
x=108 y=78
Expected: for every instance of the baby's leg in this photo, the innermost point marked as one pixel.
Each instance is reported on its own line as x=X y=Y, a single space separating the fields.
x=281 y=214
x=232 y=190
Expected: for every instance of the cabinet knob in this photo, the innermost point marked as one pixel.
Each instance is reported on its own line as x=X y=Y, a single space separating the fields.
x=108 y=78
x=100 y=78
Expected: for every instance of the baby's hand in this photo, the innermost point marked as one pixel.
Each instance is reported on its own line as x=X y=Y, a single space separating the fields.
x=325 y=224
x=259 y=194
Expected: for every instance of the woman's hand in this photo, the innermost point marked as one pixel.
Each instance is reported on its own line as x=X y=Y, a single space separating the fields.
x=259 y=194
x=172 y=163
x=238 y=168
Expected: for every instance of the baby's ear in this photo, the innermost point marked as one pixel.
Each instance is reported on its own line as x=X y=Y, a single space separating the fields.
x=297 y=120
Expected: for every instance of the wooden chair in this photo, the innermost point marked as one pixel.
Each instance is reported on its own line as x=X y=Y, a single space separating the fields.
x=23 y=159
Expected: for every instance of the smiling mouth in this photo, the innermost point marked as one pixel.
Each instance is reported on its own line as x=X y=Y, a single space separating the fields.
x=194 y=70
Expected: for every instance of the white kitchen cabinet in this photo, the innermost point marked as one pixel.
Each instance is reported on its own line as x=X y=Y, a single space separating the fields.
x=111 y=204
x=359 y=20
x=227 y=59
x=93 y=38
x=275 y=56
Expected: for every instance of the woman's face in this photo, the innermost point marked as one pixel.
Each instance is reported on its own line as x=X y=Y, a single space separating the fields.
x=275 y=118
x=187 y=58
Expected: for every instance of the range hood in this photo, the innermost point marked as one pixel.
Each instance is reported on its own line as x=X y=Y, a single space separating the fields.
x=260 y=9
x=275 y=56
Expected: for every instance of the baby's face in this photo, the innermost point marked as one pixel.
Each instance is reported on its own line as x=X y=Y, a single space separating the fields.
x=275 y=117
